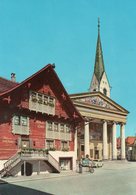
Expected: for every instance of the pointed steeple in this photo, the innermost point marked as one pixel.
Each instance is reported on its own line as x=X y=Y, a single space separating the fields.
x=99 y=80
x=99 y=63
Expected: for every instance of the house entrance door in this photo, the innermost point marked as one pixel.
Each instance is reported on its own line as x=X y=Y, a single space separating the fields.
x=27 y=170
x=25 y=143
x=65 y=163
x=96 y=154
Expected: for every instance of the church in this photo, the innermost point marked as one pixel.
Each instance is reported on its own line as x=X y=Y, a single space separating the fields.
x=102 y=115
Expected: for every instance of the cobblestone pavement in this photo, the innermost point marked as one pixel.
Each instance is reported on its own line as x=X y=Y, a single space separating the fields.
x=114 y=178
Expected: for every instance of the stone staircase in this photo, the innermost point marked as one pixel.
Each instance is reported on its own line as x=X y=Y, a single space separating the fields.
x=11 y=162
x=54 y=163
x=27 y=155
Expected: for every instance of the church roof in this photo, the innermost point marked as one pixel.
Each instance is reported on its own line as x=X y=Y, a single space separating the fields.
x=99 y=63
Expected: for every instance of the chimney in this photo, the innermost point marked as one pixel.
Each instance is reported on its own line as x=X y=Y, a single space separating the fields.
x=13 y=77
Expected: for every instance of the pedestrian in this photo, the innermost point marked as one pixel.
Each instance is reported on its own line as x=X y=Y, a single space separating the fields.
x=90 y=161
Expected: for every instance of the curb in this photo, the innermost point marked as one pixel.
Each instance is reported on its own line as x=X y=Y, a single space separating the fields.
x=4 y=181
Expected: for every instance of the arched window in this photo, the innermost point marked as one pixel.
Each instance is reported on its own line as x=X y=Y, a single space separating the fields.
x=105 y=91
x=94 y=90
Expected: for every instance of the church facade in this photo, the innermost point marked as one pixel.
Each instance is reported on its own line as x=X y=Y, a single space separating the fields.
x=101 y=114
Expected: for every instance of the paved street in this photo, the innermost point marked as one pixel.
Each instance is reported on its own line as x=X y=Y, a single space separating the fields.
x=115 y=178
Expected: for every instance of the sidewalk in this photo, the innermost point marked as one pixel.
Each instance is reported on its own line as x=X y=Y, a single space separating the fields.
x=16 y=179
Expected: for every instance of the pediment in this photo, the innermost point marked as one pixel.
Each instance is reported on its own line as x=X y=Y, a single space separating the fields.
x=97 y=99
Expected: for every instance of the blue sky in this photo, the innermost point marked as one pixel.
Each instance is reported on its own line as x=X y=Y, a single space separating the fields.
x=34 y=33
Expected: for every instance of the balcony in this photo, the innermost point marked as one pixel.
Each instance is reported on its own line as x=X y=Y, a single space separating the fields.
x=34 y=154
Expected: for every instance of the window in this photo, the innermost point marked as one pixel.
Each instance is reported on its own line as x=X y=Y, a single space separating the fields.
x=33 y=96
x=42 y=103
x=50 y=126
x=61 y=127
x=16 y=120
x=51 y=103
x=49 y=144
x=56 y=127
x=40 y=98
x=45 y=100
x=105 y=91
x=64 y=145
x=67 y=129
x=24 y=120
x=20 y=125
x=59 y=131
x=20 y=120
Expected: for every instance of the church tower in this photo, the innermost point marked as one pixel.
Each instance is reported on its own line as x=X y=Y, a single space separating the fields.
x=99 y=80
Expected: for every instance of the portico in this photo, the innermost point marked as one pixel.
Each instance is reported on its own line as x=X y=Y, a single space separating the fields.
x=106 y=146
x=102 y=117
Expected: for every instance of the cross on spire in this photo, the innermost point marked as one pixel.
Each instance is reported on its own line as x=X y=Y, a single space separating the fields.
x=99 y=63
x=98 y=25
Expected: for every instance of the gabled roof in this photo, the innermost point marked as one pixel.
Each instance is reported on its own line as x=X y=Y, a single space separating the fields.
x=49 y=69
x=130 y=140
x=6 y=84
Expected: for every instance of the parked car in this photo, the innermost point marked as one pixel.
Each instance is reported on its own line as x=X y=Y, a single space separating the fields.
x=97 y=163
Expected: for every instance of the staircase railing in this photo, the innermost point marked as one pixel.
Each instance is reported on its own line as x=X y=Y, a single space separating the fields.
x=33 y=154
x=53 y=162
x=8 y=165
x=12 y=161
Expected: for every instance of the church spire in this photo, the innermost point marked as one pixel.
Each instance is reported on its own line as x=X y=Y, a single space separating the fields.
x=99 y=63
x=99 y=80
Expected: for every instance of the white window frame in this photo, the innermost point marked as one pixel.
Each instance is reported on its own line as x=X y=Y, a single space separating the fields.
x=41 y=102
x=48 y=126
x=63 y=146
x=49 y=141
x=64 y=135
x=62 y=125
x=57 y=125
x=20 y=128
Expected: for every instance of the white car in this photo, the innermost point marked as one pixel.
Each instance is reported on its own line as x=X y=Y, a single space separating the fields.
x=97 y=163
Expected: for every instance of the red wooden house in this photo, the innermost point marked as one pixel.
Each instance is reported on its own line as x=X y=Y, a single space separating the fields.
x=37 y=125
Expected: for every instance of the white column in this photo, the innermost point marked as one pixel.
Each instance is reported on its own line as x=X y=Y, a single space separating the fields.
x=39 y=167
x=86 y=139
x=75 y=144
x=122 y=136
x=105 y=145
x=114 y=142
x=24 y=168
